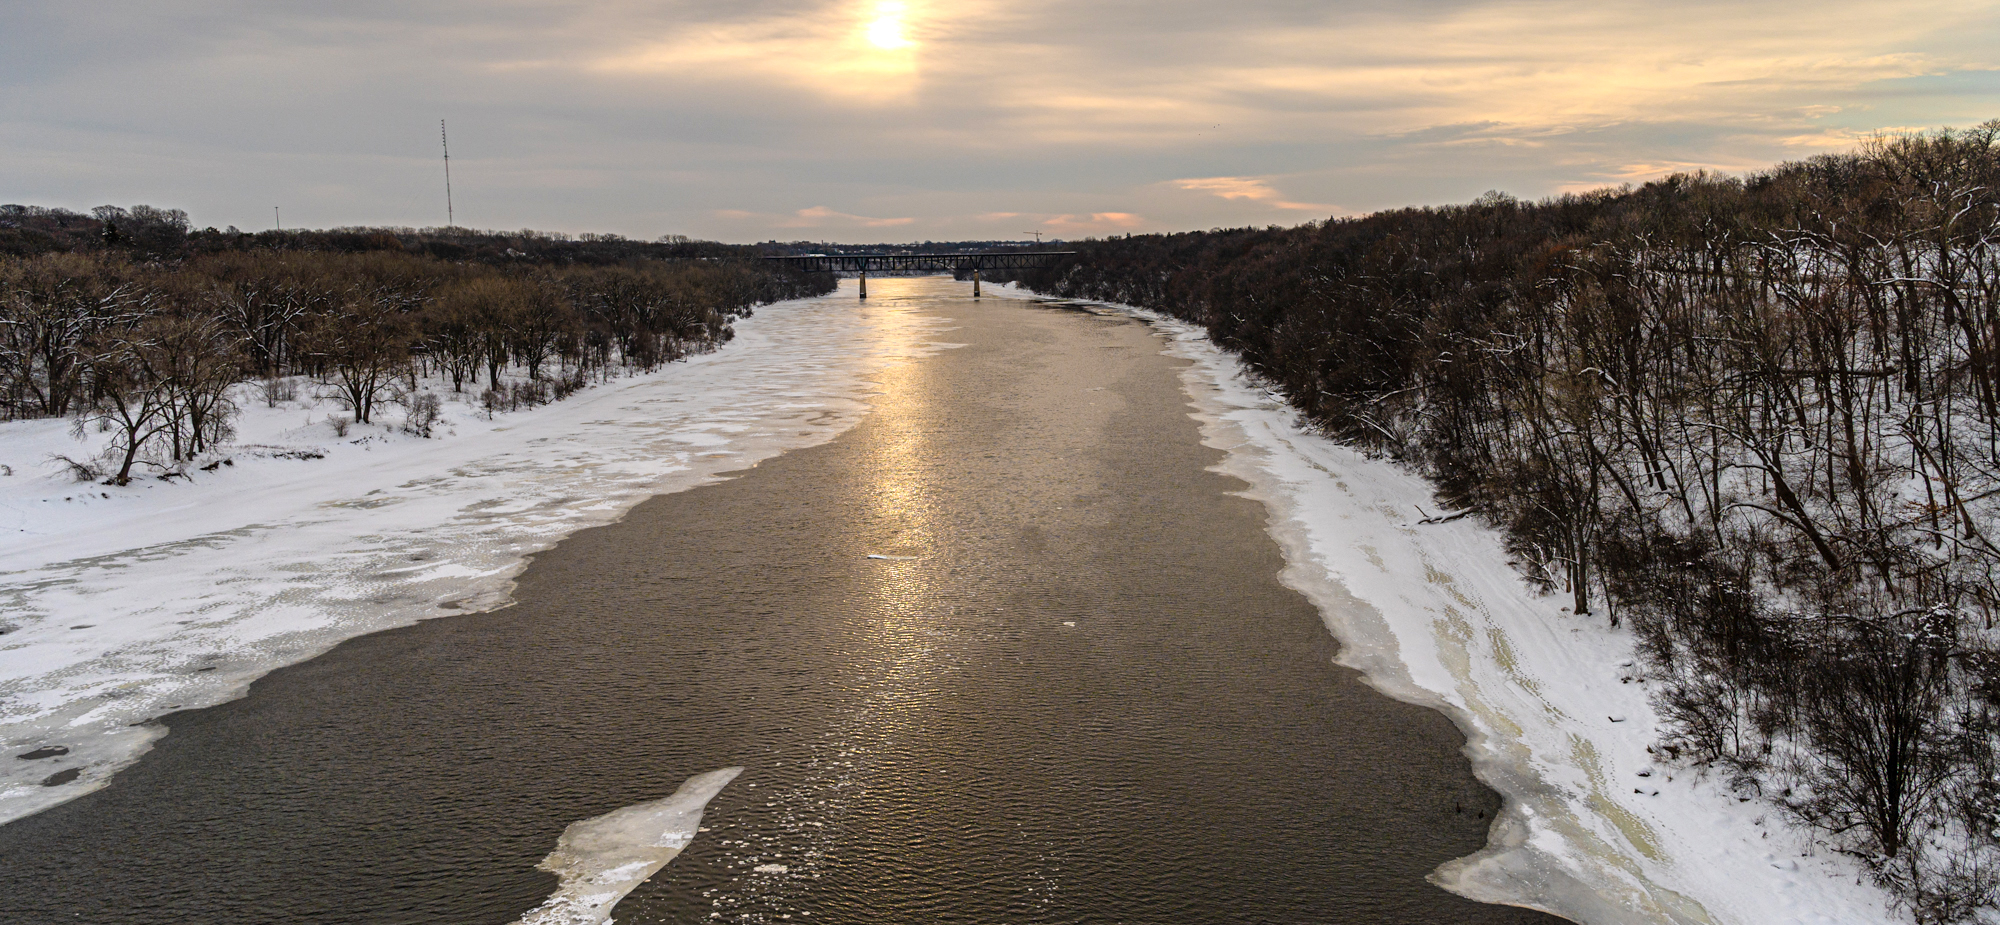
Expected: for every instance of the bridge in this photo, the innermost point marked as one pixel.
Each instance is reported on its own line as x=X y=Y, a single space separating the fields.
x=946 y=263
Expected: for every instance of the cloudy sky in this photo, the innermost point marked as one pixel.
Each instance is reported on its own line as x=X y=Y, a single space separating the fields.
x=865 y=120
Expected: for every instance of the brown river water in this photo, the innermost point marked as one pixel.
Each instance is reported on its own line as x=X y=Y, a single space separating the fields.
x=1076 y=692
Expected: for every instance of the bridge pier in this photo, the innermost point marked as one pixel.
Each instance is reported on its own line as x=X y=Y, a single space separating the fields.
x=955 y=264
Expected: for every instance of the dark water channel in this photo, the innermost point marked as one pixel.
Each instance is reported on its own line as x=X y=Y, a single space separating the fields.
x=1083 y=697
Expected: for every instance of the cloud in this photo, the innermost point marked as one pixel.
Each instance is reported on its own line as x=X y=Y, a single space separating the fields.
x=740 y=118
x=1252 y=189
x=861 y=51
x=813 y=217
x=1844 y=137
x=1094 y=223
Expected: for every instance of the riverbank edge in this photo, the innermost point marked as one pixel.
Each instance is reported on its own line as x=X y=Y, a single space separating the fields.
x=1564 y=841
x=106 y=736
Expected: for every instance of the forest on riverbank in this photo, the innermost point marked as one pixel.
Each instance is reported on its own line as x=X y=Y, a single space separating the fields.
x=1756 y=419
x=137 y=326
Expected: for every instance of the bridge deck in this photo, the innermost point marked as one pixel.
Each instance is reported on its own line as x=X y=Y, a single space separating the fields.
x=948 y=263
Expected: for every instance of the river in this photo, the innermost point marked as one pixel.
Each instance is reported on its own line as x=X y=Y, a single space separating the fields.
x=1007 y=651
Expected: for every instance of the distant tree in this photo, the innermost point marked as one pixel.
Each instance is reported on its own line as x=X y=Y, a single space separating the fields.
x=49 y=307
x=126 y=392
x=541 y=315
x=364 y=341
x=453 y=327
x=269 y=298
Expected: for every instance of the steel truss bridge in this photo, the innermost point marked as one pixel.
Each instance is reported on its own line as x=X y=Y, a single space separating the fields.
x=954 y=264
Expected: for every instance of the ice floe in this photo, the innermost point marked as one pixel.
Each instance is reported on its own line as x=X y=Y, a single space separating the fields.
x=601 y=859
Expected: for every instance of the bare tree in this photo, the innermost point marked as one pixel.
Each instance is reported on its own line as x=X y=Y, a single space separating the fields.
x=364 y=341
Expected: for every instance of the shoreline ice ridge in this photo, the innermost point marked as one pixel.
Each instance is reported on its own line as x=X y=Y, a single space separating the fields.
x=123 y=605
x=1434 y=614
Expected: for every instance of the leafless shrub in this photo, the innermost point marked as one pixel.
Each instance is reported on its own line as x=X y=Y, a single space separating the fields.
x=422 y=411
x=1940 y=884
x=276 y=389
x=82 y=471
x=565 y=386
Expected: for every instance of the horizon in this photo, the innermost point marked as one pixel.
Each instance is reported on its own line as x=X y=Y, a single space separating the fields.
x=673 y=237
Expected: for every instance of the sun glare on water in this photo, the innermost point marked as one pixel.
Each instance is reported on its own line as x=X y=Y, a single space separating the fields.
x=885 y=31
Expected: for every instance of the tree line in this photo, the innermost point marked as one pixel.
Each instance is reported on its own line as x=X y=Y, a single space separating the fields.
x=1755 y=418
x=134 y=325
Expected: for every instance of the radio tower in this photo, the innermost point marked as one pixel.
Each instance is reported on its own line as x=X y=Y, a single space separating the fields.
x=450 y=220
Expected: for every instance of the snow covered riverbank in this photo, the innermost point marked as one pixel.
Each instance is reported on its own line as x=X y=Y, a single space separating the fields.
x=1556 y=712
x=119 y=605
x=124 y=604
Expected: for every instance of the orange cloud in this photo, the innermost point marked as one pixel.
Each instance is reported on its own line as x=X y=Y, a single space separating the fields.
x=815 y=217
x=1096 y=221
x=1844 y=138
x=1252 y=189
x=821 y=215
x=867 y=52
x=1644 y=171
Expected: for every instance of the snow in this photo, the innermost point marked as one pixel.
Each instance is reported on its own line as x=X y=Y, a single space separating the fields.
x=601 y=859
x=120 y=605
x=1557 y=719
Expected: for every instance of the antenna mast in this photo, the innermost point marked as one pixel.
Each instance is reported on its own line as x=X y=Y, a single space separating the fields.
x=450 y=220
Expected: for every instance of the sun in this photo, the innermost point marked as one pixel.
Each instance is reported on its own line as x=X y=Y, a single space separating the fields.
x=886 y=30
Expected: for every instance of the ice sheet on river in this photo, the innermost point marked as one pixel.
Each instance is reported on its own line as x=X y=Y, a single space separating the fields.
x=120 y=605
x=1556 y=717
x=605 y=857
